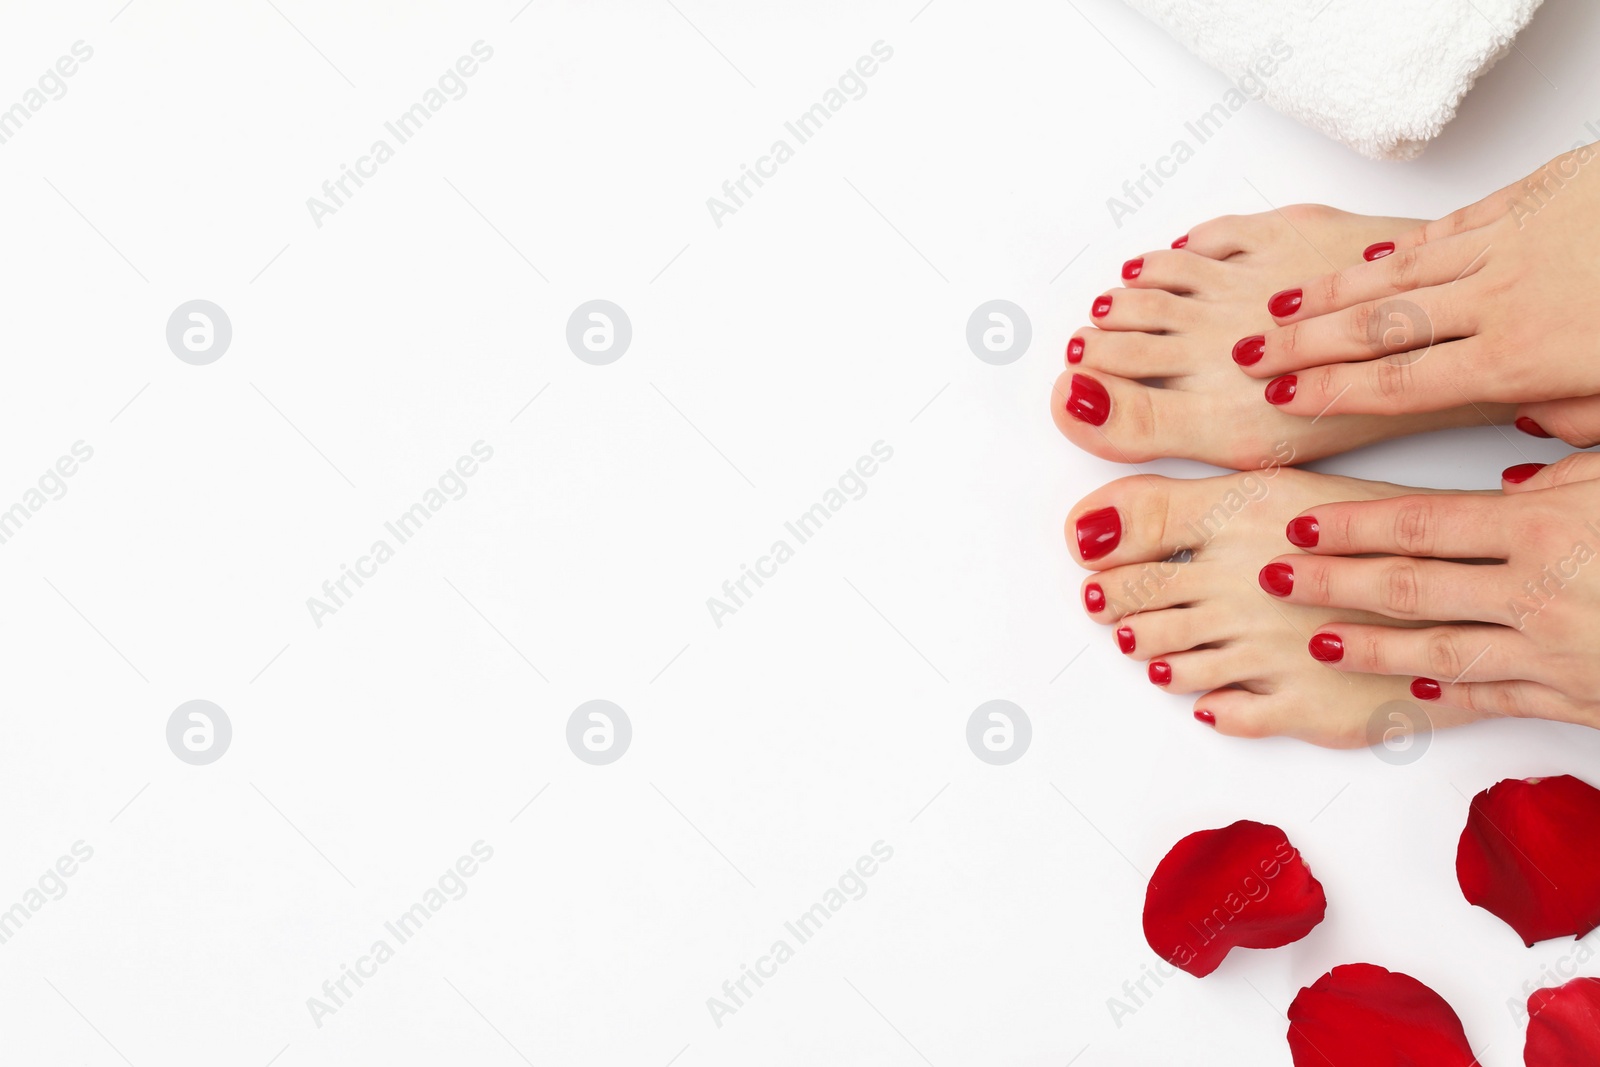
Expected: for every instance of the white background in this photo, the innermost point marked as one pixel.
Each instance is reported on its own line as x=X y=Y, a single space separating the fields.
x=768 y=355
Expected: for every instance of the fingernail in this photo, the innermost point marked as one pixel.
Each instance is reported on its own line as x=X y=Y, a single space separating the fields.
x=1094 y=598
x=1277 y=579
x=1248 y=352
x=1075 y=350
x=1180 y=242
x=1098 y=533
x=1284 y=304
x=1125 y=639
x=1101 y=308
x=1303 y=532
x=1160 y=672
x=1089 y=402
x=1281 y=390
x=1206 y=717
x=1425 y=689
x=1132 y=269
x=1326 y=648
x=1531 y=428
x=1377 y=251
x=1521 y=472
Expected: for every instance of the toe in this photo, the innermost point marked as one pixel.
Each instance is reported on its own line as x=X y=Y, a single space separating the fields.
x=1125 y=421
x=1142 y=309
x=1222 y=237
x=1131 y=354
x=1199 y=671
x=1176 y=271
x=1161 y=633
x=1143 y=519
x=1138 y=592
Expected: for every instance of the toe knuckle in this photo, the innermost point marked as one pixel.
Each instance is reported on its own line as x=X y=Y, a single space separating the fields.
x=1400 y=590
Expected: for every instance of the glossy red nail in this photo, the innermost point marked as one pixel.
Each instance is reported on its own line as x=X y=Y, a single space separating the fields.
x=1132 y=269
x=1277 y=579
x=1180 y=242
x=1425 y=689
x=1248 y=352
x=1125 y=639
x=1531 y=428
x=1281 y=390
x=1206 y=717
x=1303 y=532
x=1284 y=304
x=1160 y=672
x=1089 y=402
x=1075 y=350
x=1098 y=533
x=1326 y=648
x=1521 y=472
x=1377 y=251
x=1094 y=598
x=1101 y=308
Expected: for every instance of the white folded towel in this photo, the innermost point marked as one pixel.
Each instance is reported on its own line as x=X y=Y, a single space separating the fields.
x=1383 y=76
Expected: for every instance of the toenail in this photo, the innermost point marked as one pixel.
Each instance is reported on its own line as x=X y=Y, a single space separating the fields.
x=1094 y=598
x=1125 y=639
x=1277 y=579
x=1531 y=428
x=1132 y=269
x=1160 y=672
x=1101 y=308
x=1180 y=242
x=1425 y=689
x=1075 y=350
x=1377 y=251
x=1521 y=472
x=1284 y=304
x=1326 y=648
x=1303 y=532
x=1089 y=402
x=1098 y=533
x=1281 y=390
x=1248 y=352
x=1206 y=717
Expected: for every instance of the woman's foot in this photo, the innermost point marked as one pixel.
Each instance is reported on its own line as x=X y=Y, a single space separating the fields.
x=1154 y=377
x=1206 y=625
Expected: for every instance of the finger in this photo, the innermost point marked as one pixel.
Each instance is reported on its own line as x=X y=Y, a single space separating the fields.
x=1528 y=477
x=1399 y=588
x=1472 y=217
x=1445 y=376
x=1366 y=330
x=1576 y=421
x=1520 y=699
x=1405 y=270
x=1455 y=653
x=1440 y=525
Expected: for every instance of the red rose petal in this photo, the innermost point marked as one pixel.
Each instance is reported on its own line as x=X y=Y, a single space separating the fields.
x=1244 y=885
x=1564 y=1025
x=1361 y=1015
x=1528 y=855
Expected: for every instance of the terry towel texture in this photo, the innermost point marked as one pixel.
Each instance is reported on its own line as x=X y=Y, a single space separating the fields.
x=1383 y=76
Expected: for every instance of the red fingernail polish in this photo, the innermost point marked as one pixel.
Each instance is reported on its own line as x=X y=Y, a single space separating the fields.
x=1094 y=598
x=1160 y=672
x=1206 y=717
x=1125 y=639
x=1531 y=428
x=1101 y=308
x=1377 y=251
x=1281 y=390
x=1089 y=402
x=1521 y=472
x=1132 y=269
x=1098 y=533
x=1326 y=648
x=1075 y=350
x=1284 y=304
x=1425 y=689
x=1303 y=532
x=1248 y=352
x=1180 y=242
x=1277 y=579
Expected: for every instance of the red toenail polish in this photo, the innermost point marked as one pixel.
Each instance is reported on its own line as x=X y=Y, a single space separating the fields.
x=1075 y=350
x=1089 y=402
x=1521 y=472
x=1281 y=390
x=1326 y=648
x=1303 y=532
x=1180 y=242
x=1098 y=533
x=1277 y=579
x=1248 y=352
x=1377 y=251
x=1531 y=428
x=1284 y=304
x=1206 y=717
x=1425 y=689
x=1132 y=269
x=1101 y=308
x=1125 y=639
x=1094 y=598
x=1160 y=672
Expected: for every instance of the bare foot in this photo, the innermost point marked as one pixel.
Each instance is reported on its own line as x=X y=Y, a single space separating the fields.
x=1155 y=376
